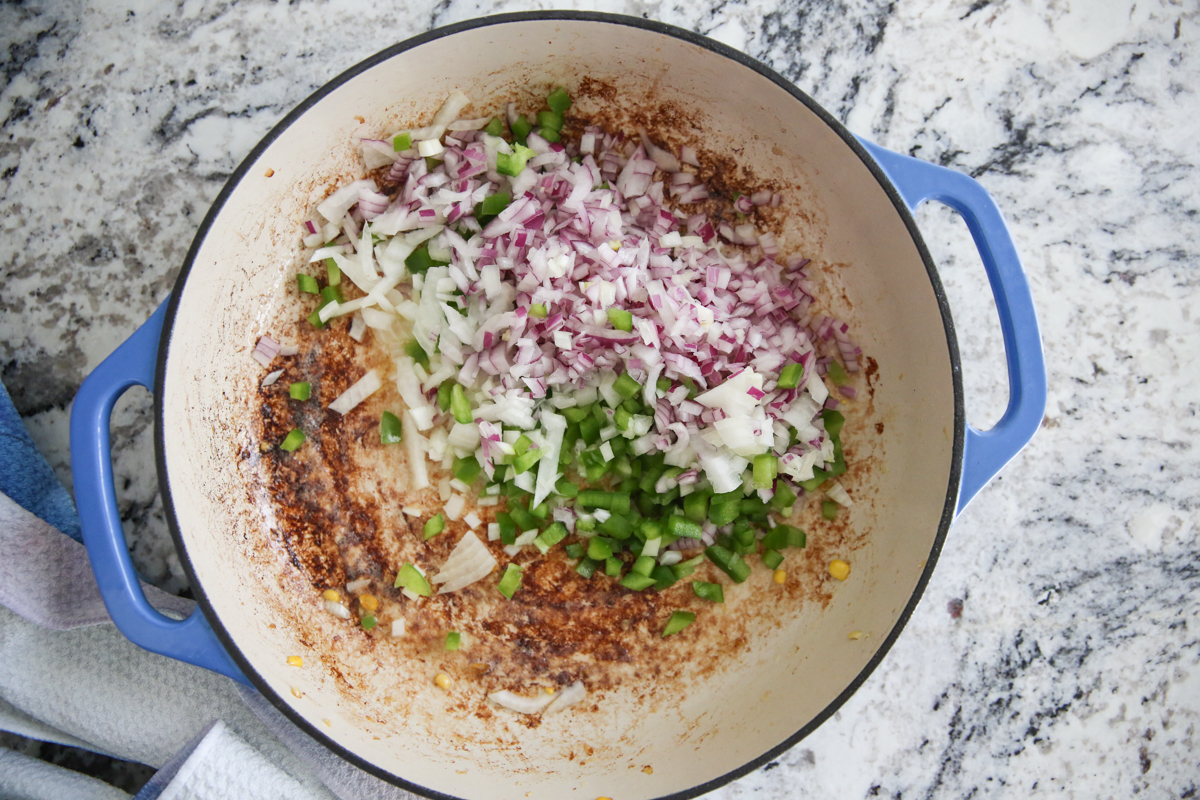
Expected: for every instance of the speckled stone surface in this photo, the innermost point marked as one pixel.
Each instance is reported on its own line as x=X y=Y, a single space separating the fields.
x=1057 y=649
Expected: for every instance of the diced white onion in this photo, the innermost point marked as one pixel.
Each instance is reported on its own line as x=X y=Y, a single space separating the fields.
x=363 y=388
x=800 y=468
x=568 y=697
x=724 y=470
x=451 y=107
x=272 y=377
x=358 y=326
x=423 y=417
x=397 y=628
x=733 y=395
x=816 y=388
x=838 y=494
x=468 y=562
x=639 y=425
x=329 y=311
x=520 y=703
x=377 y=154
x=554 y=426
x=454 y=506
x=430 y=148
x=464 y=437
x=524 y=481
x=414 y=451
x=354 y=587
x=374 y=318
x=468 y=124
x=334 y=207
x=744 y=435
x=337 y=609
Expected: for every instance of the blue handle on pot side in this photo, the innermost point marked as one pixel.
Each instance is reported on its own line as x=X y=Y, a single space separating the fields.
x=985 y=452
x=192 y=639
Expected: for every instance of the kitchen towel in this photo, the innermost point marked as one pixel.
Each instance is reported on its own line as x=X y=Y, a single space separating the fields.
x=47 y=578
x=67 y=675
x=201 y=771
x=29 y=778
x=27 y=478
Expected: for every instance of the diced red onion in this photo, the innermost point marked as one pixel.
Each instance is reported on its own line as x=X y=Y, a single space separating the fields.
x=578 y=250
x=265 y=351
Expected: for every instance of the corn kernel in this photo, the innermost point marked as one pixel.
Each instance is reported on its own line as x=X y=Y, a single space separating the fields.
x=331 y=595
x=857 y=635
x=839 y=569
x=295 y=661
x=328 y=722
x=548 y=689
x=297 y=693
x=368 y=602
x=649 y=770
x=780 y=575
x=443 y=681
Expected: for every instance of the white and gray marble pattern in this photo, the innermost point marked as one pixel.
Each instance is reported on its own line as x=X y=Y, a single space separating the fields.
x=1057 y=649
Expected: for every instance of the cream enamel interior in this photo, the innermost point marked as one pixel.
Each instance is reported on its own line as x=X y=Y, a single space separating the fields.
x=244 y=269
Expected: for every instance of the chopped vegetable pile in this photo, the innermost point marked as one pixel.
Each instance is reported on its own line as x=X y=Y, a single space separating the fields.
x=637 y=386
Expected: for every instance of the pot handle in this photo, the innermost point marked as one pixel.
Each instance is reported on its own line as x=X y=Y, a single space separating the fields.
x=985 y=452
x=192 y=639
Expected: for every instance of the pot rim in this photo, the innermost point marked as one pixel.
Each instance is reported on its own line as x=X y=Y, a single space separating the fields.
x=952 y=490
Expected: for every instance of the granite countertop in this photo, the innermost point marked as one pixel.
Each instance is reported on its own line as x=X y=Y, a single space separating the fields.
x=1056 y=648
